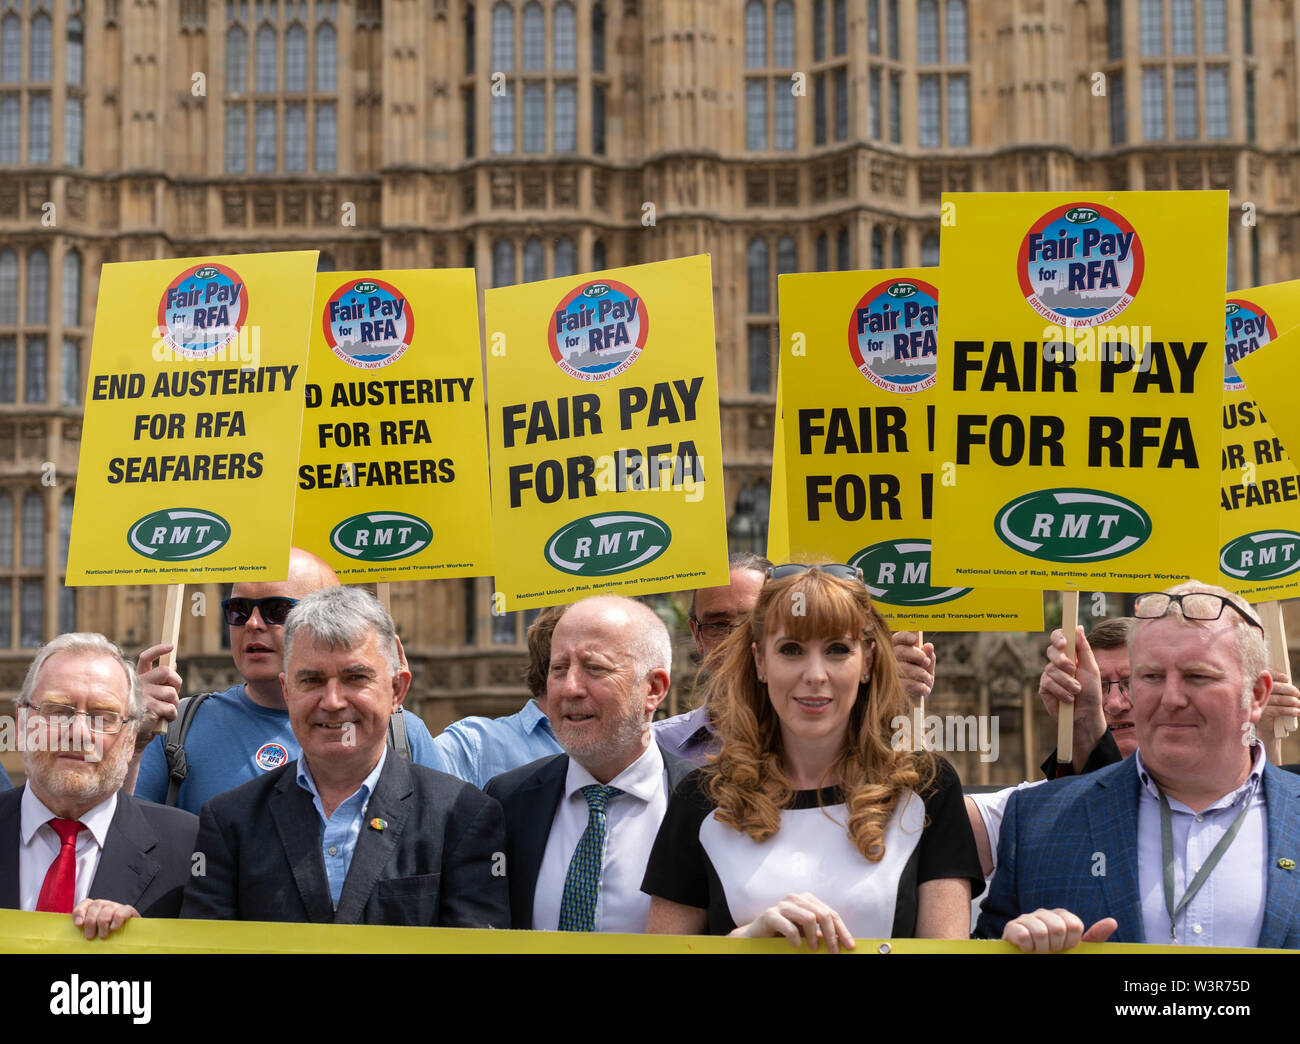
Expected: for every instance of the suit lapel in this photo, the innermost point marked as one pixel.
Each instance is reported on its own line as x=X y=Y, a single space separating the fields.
x=1112 y=818
x=298 y=824
x=390 y=802
x=1282 y=893
x=542 y=796
x=10 y=839
x=126 y=867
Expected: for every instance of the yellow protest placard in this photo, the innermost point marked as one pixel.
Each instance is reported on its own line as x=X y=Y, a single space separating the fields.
x=604 y=428
x=193 y=409
x=859 y=359
x=393 y=476
x=1259 y=491
x=1078 y=403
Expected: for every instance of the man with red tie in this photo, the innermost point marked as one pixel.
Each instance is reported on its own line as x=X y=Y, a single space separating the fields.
x=69 y=841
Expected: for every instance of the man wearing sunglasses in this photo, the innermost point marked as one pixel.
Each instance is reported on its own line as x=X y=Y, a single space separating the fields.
x=1189 y=841
x=242 y=733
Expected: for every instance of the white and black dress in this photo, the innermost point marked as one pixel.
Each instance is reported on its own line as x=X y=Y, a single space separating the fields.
x=698 y=861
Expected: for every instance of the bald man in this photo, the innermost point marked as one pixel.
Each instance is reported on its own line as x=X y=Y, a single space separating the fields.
x=238 y=735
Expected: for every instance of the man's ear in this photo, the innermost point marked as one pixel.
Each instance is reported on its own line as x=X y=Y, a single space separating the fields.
x=695 y=633
x=1259 y=695
x=658 y=680
x=401 y=685
x=284 y=685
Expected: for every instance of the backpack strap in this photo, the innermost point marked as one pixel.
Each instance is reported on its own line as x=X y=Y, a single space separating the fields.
x=397 y=738
x=178 y=766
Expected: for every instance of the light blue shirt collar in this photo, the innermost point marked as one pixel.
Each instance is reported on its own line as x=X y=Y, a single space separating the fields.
x=532 y=717
x=367 y=787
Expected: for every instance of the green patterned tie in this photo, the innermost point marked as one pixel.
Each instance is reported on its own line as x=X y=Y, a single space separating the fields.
x=582 y=882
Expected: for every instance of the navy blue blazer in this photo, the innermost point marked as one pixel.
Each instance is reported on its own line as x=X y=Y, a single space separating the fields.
x=1050 y=834
x=438 y=859
x=145 y=862
x=530 y=795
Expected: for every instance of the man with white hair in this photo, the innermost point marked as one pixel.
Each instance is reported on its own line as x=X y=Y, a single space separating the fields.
x=349 y=833
x=580 y=825
x=1193 y=839
x=72 y=842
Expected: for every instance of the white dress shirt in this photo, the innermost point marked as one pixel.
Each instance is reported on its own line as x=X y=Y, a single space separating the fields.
x=632 y=822
x=39 y=846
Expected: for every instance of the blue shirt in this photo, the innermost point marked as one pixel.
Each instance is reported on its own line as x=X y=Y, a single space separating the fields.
x=476 y=749
x=5 y=782
x=233 y=740
x=340 y=831
x=1228 y=910
x=690 y=736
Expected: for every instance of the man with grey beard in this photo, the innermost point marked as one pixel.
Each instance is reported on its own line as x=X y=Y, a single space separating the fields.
x=75 y=844
x=580 y=825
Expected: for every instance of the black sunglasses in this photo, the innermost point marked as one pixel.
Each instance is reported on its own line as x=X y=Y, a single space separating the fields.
x=844 y=572
x=274 y=610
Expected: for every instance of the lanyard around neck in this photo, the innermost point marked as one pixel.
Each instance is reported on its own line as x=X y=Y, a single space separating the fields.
x=1167 y=852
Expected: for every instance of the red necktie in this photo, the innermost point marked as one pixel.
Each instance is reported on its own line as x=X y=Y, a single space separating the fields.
x=60 y=879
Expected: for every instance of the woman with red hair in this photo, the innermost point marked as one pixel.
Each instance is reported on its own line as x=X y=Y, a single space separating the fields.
x=812 y=821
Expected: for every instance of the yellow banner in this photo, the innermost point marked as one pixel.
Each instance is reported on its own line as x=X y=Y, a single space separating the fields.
x=22 y=932
x=193 y=410
x=1259 y=491
x=858 y=369
x=393 y=475
x=606 y=447
x=1078 y=404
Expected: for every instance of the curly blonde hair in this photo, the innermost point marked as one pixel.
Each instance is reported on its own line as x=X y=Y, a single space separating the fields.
x=747 y=779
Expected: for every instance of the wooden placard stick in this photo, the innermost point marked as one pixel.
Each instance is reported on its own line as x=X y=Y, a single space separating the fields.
x=920 y=644
x=1064 y=720
x=171 y=630
x=384 y=593
x=1279 y=659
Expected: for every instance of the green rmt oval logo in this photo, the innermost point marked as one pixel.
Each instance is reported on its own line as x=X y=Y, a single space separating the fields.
x=1265 y=555
x=178 y=534
x=595 y=290
x=206 y=272
x=365 y=288
x=901 y=290
x=609 y=543
x=898 y=572
x=1073 y=525
x=381 y=536
x=1081 y=215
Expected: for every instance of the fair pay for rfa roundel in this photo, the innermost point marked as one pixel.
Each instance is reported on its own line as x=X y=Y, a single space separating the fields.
x=193 y=408
x=1078 y=402
x=603 y=420
x=392 y=481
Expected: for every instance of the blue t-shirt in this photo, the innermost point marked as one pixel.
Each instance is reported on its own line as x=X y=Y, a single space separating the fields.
x=233 y=740
x=5 y=782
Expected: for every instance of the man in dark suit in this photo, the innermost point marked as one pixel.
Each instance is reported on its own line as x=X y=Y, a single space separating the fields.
x=71 y=841
x=349 y=833
x=1198 y=796
x=580 y=825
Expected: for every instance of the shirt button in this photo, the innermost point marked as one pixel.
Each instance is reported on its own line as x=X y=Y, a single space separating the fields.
x=1196 y=928
x=1200 y=819
x=333 y=850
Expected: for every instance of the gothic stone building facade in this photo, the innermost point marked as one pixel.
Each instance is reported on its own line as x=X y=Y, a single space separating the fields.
x=536 y=138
